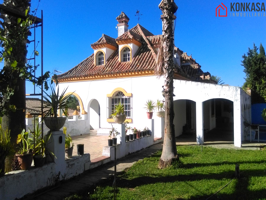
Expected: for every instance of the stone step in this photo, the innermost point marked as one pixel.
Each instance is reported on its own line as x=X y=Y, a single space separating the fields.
x=93 y=132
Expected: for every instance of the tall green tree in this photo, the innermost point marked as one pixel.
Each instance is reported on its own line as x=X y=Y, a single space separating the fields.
x=254 y=64
x=169 y=152
x=14 y=32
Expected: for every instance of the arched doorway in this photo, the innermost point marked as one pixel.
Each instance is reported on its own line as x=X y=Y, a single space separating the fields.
x=185 y=120
x=94 y=114
x=218 y=120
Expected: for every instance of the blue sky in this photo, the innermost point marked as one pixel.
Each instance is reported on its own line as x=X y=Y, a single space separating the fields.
x=217 y=43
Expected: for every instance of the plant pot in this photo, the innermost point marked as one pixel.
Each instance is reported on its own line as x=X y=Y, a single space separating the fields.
x=141 y=134
x=134 y=136
x=69 y=152
x=54 y=124
x=130 y=136
x=149 y=115
x=24 y=160
x=161 y=114
x=39 y=160
x=114 y=141
x=119 y=118
x=127 y=138
x=80 y=149
x=110 y=142
x=148 y=132
x=138 y=135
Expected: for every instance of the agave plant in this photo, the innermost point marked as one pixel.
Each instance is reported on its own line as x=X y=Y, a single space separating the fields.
x=55 y=101
x=149 y=106
x=159 y=105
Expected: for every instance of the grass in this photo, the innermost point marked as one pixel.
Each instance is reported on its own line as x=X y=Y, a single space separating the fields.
x=198 y=174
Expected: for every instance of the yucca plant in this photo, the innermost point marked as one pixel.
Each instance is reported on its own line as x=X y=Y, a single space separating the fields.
x=55 y=101
x=159 y=105
x=149 y=106
x=119 y=110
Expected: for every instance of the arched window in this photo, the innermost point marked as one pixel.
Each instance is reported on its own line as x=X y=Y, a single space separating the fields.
x=125 y=54
x=120 y=97
x=100 y=58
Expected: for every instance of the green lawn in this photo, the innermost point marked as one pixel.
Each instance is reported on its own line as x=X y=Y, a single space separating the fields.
x=199 y=174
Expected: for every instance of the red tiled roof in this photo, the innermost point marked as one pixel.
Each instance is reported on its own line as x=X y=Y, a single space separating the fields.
x=105 y=39
x=143 y=60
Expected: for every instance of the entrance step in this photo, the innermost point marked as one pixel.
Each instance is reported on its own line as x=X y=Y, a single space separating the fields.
x=103 y=131
x=93 y=132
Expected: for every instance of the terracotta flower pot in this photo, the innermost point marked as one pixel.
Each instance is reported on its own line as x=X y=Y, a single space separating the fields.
x=54 y=124
x=24 y=160
x=138 y=135
x=149 y=115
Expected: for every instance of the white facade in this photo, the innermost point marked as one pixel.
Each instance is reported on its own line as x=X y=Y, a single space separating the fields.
x=96 y=103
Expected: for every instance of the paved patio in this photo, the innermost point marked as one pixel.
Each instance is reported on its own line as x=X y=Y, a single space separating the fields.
x=93 y=144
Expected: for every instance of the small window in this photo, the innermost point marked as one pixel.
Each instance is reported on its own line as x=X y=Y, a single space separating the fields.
x=100 y=58
x=126 y=55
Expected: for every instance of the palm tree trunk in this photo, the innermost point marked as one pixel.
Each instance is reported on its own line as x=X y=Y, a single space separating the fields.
x=169 y=152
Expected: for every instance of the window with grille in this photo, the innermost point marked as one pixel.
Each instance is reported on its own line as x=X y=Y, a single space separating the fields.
x=120 y=97
x=100 y=58
x=126 y=55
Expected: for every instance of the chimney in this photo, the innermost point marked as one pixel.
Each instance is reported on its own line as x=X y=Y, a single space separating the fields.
x=122 y=25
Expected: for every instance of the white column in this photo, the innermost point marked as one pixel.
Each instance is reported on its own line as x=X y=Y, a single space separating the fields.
x=237 y=123
x=56 y=145
x=121 y=138
x=199 y=122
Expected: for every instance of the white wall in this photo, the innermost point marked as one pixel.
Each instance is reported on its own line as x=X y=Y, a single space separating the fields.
x=180 y=116
x=94 y=113
x=150 y=87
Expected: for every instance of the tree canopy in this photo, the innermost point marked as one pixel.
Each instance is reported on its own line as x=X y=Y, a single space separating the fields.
x=254 y=63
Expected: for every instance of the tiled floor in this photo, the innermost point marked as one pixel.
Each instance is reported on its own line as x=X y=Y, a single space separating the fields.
x=92 y=144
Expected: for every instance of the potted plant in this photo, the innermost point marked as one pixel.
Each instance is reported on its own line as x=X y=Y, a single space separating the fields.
x=149 y=106
x=38 y=147
x=136 y=133
x=112 y=135
x=54 y=102
x=119 y=113
x=24 y=154
x=6 y=147
x=160 y=109
x=68 y=146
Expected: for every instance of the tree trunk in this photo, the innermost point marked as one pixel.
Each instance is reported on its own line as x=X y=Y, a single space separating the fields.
x=15 y=121
x=169 y=152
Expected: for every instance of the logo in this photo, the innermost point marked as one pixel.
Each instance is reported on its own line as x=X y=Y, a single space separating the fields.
x=219 y=9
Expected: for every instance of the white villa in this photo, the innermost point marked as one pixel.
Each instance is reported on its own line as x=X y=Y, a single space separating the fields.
x=122 y=69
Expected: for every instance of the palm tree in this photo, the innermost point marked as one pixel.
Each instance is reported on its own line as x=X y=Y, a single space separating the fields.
x=217 y=79
x=169 y=152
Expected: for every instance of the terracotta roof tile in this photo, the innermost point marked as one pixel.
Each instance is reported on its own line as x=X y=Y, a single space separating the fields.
x=105 y=39
x=143 y=60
